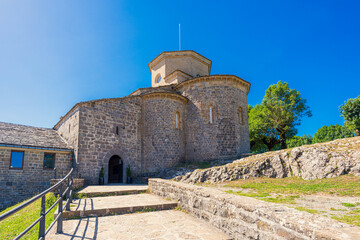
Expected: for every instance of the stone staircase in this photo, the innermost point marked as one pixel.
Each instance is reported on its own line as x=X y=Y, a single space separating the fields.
x=129 y=212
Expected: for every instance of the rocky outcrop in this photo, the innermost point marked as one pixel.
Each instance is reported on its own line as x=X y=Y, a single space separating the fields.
x=316 y=161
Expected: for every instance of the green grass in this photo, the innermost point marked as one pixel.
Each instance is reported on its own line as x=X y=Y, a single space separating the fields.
x=266 y=197
x=353 y=219
x=348 y=204
x=15 y=224
x=346 y=185
x=313 y=211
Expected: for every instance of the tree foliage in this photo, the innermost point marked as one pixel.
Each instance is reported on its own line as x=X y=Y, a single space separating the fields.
x=275 y=119
x=298 y=141
x=262 y=136
x=283 y=109
x=350 y=110
x=332 y=132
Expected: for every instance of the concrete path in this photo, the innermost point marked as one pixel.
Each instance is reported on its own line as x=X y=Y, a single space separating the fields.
x=161 y=225
x=146 y=221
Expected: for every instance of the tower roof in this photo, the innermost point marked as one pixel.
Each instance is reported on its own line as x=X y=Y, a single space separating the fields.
x=183 y=53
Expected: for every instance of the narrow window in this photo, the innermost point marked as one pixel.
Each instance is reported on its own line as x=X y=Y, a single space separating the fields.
x=177 y=120
x=211 y=114
x=17 y=159
x=49 y=160
x=117 y=130
x=69 y=127
x=241 y=117
x=158 y=78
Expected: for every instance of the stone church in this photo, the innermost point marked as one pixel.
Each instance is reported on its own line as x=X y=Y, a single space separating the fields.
x=186 y=115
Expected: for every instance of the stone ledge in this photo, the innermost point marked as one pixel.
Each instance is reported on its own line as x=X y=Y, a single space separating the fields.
x=248 y=218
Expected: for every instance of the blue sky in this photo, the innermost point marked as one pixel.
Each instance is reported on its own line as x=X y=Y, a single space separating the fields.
x=54 y=54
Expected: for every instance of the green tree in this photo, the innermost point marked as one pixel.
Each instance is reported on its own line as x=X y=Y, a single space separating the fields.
x=332 y=132
x=350 y=110
x=262 y=136
x=282 y=110
x=298 y=141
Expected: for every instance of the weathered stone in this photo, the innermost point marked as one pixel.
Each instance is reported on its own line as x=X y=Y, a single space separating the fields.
x=248 y=218
x=316 y=161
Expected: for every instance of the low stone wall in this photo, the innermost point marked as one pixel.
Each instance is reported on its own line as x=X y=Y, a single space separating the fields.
x=248 y=218
x=77 y=183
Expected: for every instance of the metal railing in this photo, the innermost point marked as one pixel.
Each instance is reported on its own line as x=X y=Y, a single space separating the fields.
x=59 y=219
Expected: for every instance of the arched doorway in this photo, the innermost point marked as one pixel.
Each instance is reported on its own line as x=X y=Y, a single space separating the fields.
x=115 y=169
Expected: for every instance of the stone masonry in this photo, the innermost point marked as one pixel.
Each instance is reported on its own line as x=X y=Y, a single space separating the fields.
x=187 y=115
x=248 y=218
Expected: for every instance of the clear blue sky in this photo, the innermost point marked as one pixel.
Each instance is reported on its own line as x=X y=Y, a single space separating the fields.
x=54 y=54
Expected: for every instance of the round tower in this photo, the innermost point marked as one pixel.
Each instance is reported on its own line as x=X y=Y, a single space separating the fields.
x=216 y=122
x=164 y=136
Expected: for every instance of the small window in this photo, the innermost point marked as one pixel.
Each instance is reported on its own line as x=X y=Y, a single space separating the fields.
x=177 y=120
x=117 y=130
x=197 y=75
x=17 y=159
x=49 y=160
x=241 y=116
x=69 y=127
x=211 y=114
x=158 y=79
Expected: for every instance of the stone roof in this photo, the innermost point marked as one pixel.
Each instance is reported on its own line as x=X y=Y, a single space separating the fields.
x=161 y=89
x=26 y=136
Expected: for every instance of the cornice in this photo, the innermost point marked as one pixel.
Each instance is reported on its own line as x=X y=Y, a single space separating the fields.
x=173 y=96
x=215 y=78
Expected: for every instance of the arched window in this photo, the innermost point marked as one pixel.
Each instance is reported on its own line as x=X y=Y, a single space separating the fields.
x=177 y=120
x=211 y=114
x=158 y=78
x=241 y=116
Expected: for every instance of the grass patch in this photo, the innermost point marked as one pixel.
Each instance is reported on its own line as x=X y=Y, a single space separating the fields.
x=282 y=199
x=346 y=185
x=349 y=219
x=348 y=204
x=15 y=224
x=258 y=195
x=266 y=197
x=337 y=209
x=313 y=211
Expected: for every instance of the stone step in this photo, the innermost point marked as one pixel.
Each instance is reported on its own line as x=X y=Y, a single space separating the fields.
x=165 y=225
x=111 y=190
x=114 y=205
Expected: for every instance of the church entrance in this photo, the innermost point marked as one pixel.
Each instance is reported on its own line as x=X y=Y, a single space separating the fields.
x=115 y=169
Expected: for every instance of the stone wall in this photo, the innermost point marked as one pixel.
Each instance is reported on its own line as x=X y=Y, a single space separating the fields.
x=164 y=144
x=248 y=218
x=17 y=185
x=69 y=130
x=228 y=136
x=99 y=141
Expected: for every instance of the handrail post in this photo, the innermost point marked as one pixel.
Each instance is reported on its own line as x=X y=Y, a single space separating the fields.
x=68 y=195
x=60 y=209
x=42 y=221
x=71 y=187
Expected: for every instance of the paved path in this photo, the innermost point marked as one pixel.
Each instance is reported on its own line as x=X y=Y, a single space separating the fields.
x=161 y=225
x=117 y=202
